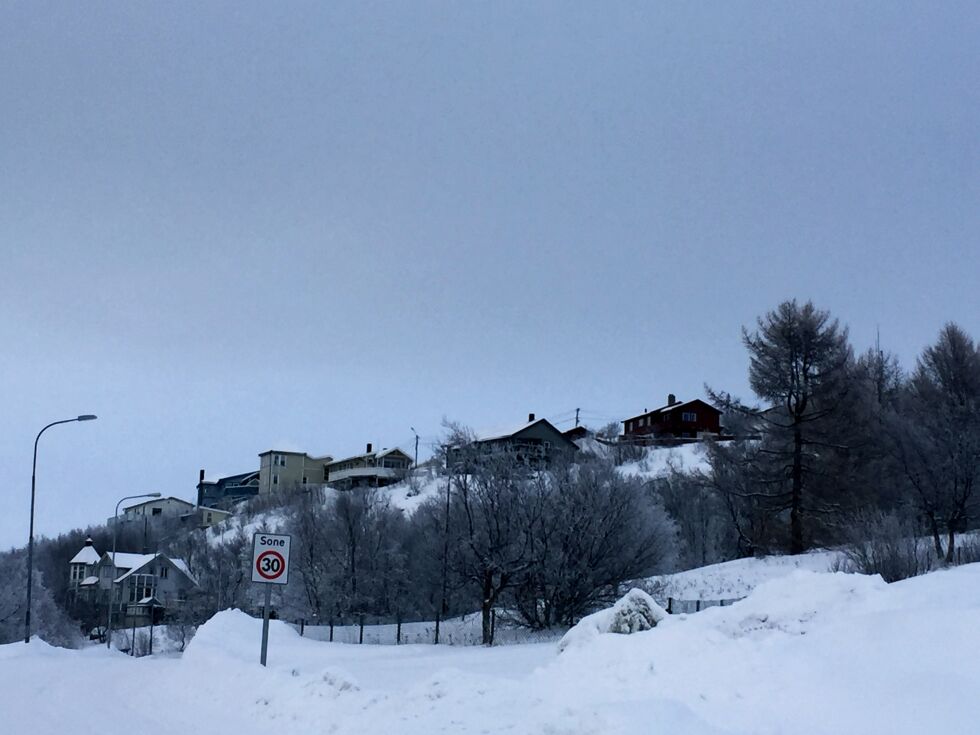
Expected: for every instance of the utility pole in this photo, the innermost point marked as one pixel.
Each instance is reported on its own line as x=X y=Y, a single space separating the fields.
x=576 y=416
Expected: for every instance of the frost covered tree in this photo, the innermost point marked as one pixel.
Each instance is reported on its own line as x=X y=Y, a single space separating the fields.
x=596 y=530
x=493 y=520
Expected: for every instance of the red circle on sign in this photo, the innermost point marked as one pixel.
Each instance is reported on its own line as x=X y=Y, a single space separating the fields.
x=270 y=564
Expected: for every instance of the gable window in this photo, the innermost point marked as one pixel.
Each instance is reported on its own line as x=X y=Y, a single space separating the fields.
x=157 y=511
x=689 y=416
x=164 y=571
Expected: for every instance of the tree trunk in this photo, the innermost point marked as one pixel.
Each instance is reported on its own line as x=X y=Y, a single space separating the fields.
x=936 y=539
x=486 y=610
x=950 y=546
x=795 y=513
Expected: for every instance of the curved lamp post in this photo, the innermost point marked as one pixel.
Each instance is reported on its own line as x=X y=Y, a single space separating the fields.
x=30 y=537
x=115 y=526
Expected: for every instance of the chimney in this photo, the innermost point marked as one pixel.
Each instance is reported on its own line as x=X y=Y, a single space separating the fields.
x=88 y=541
x=200 y=489
x=530 y=417
x=368 y=448
x=671 y=399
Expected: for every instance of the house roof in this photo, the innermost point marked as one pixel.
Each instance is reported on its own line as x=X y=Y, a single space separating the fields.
x=232 y=479
x=487 y=435
x=141 y=560
x=88 y=581
x=88 y=555
x=209 y=509
x=671 y=407
x=126 y=560
x=157 y=500
x=367 y=455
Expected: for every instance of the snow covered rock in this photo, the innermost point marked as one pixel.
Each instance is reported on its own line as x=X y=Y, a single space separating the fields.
x=633 y=612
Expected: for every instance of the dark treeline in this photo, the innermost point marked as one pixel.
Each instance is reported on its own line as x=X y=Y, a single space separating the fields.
x=839 y=449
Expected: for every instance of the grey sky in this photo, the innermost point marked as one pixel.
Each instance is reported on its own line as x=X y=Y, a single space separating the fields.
x=228 y=227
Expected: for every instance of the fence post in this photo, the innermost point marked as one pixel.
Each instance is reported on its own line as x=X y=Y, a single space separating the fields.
x=331 y=630
x=361 y=636
x=493 y=625
x=398 y=630
x=697 y=606
x=670 y=605
x=302 y=626
x=438 y=615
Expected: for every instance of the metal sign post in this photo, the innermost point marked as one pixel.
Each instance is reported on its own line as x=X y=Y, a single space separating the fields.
x=270 y=565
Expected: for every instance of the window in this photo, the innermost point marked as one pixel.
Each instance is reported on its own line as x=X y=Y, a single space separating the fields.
x=275 y=479
x=209 y=518
x=304 y=479
x=164 y=571
x=279 y=460
x=157 y=511
x=689 y=416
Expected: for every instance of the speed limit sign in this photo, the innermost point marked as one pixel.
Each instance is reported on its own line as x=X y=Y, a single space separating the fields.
x=270 y=558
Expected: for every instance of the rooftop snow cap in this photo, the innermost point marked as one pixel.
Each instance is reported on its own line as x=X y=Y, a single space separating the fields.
x=530 y=417
x=671 y=399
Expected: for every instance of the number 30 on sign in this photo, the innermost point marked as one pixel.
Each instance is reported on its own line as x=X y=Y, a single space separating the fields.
x=270 y=558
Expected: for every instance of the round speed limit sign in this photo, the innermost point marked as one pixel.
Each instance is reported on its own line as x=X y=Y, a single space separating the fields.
x=270 y=565
x=270 y=558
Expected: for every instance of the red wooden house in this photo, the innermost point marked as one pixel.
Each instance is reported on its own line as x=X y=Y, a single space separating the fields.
x=678 y=420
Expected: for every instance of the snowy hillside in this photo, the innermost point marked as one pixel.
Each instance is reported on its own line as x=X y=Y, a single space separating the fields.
x=658 y=461
x=733 y=579
x=806 y=653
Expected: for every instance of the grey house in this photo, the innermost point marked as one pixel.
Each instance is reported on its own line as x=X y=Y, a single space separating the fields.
x=536 y=443
x=371 y=469
x=136 y=589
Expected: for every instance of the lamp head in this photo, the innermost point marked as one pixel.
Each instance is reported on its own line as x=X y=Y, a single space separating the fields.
x=87 y=417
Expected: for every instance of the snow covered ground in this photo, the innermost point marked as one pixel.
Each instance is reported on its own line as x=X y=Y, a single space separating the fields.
x=735 y=579
x=805 y=652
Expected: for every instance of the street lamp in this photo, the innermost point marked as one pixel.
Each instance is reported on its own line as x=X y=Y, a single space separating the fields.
x=115 y=526
x=30 y=537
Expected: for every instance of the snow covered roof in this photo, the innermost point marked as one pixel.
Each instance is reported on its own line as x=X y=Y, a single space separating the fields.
x=89 y=580
x=88 y=555
x=485 y=435
x=157 y=500
x=125 y=560
x=141 y=560
x=366 y=455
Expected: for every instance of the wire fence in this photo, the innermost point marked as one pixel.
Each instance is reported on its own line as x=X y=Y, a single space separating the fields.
x=464 y=630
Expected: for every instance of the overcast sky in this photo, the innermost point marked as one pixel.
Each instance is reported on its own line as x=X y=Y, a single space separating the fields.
x=236 y=227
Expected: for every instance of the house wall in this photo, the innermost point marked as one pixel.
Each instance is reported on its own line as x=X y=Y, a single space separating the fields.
x=298 y=466
x=672 y=422
x=168 y=507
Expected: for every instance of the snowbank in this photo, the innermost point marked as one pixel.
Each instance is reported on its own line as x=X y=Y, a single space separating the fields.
x=734 y=579
x=808 y=653
x=633 y=612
